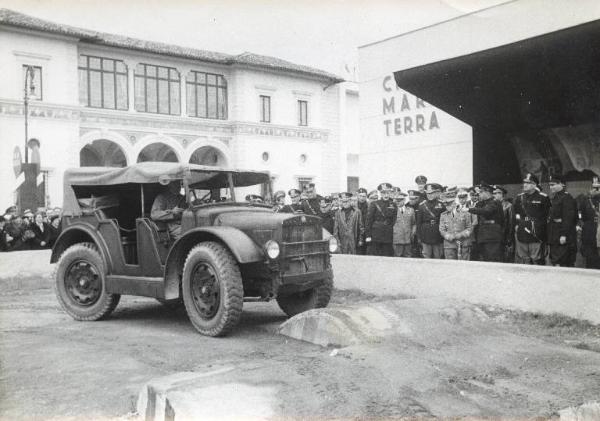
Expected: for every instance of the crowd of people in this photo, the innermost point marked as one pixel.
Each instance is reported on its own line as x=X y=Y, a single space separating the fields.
x=29 y=231
x=476 y=223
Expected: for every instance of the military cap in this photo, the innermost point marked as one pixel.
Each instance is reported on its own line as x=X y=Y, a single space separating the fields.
x=373 y=193
x=326 y=199
x=556 y=179
x=462 y=192
x=421 y=179
x=531 y=178
x=11 y=209
x=28 y=213
x=361 y=190
x=278 y=194
x=413 y=194
x=384 y=187
x=448 y=196
x=400 y=194
x=485 y=186
x=499 y=189
x=345 y=195
x=293 y=192
x=432 y=188
x=595 y=182
x=254 y=197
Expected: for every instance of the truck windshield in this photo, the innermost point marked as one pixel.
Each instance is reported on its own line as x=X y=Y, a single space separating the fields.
x=201 y=196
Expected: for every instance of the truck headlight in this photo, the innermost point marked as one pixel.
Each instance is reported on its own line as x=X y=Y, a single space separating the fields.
x=272 y=249
x=333 y=244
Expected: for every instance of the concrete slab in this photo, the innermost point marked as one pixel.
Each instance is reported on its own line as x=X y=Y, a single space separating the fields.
x=189 y=396
x=587 y=412
x=543 y=289
x=342 y=326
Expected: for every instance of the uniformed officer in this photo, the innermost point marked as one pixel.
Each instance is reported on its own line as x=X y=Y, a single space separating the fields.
x=562 y=222
x=381 y=216
x=413 y=202
x=531 y=210
x=311 y=204
x=326 y=213
x=362 y=205
x=373 y=196
x=490 y=219
x=421 y=182
x=296 y=206
x=507 y=207
x=279 y=198
x=428 y=222
x=589 y=211
x=455 y=227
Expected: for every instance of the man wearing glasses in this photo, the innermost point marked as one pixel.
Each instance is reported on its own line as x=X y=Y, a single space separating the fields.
x=531 y=215
x=589 y=211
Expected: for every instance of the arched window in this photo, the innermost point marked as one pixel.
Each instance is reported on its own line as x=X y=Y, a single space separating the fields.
x=102 y=153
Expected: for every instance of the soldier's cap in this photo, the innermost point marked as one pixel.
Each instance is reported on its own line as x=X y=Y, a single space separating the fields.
x=499 y=189
x=462 y=192
x=28 y=213
x=345 y=195
x=384 y=187
x=595 y=182
x=448 y=196
x=556 y=179
x=401 y=195
x=531 y=178
x=278 y=194
x=485 y=186
x=361 y=190
x=413 y=194
x=326 y=199
x=432 y=187
x=250 y=197
x=11 y=209
x=421 y=179
x=373 y=193
x=335 y=195
x=293 y=192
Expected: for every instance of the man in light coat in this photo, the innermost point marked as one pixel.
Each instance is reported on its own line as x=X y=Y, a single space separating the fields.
x=405 y=227
x=455 y=228
x=347 y=226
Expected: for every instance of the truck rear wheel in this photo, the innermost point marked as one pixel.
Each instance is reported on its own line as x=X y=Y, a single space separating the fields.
x=212 y=289
x=80 y=283
x=300 y=302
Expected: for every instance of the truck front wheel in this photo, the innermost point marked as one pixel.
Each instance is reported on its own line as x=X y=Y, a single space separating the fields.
x=300 y=302
x=212 y=289
x=80 y=283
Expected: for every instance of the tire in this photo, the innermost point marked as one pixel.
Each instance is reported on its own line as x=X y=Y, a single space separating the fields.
x=212 y=289
x=80 y=284
x=300 y=302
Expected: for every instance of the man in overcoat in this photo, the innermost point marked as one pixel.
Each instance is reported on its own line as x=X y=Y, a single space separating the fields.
x=381 y=216
x=348 y=227
x=455 y=227
x=405 y=227
x=562 y=222
x=589 y=211
x=428 y=222
x=490 y=220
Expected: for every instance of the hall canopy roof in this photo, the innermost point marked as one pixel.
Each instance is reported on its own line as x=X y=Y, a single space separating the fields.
x=552 y=80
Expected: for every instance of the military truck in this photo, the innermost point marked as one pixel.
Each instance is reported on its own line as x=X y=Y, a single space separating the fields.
x=229 y=251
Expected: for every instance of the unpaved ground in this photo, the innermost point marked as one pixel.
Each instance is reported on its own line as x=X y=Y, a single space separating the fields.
x=508 y=364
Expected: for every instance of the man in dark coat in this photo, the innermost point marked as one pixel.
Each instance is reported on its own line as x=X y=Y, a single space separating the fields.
x=311 y=204
x=562 y=223
x=362 y=205
x=296 y=206
x=428 y=222
x=530 y=211
x=508 y=243
x=490 y=220
x=589 y=211
x=326 y=213
x=42 y=232
x=381 y=216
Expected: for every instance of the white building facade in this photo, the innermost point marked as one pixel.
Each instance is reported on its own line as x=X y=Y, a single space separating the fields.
x=107 y=100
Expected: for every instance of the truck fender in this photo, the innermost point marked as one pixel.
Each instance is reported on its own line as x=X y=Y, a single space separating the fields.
x=241 y=246
x=82 y=233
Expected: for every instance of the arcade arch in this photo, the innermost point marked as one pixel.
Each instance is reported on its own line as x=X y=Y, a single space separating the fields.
x=157 y=151
x=102 y=153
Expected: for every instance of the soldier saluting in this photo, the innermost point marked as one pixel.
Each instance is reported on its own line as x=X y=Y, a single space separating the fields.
x=490 y=220
x=531 y=215
x=381 y=216
x=562 y=222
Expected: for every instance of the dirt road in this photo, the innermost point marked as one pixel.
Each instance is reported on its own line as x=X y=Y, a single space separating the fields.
x=509 y=364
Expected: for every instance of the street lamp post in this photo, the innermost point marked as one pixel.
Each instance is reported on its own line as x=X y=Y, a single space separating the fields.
x=29 y=75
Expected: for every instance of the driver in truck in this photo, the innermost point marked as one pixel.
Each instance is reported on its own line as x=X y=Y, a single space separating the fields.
x=167 y=208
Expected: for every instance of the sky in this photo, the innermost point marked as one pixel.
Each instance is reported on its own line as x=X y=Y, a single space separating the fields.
x=324 y=34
